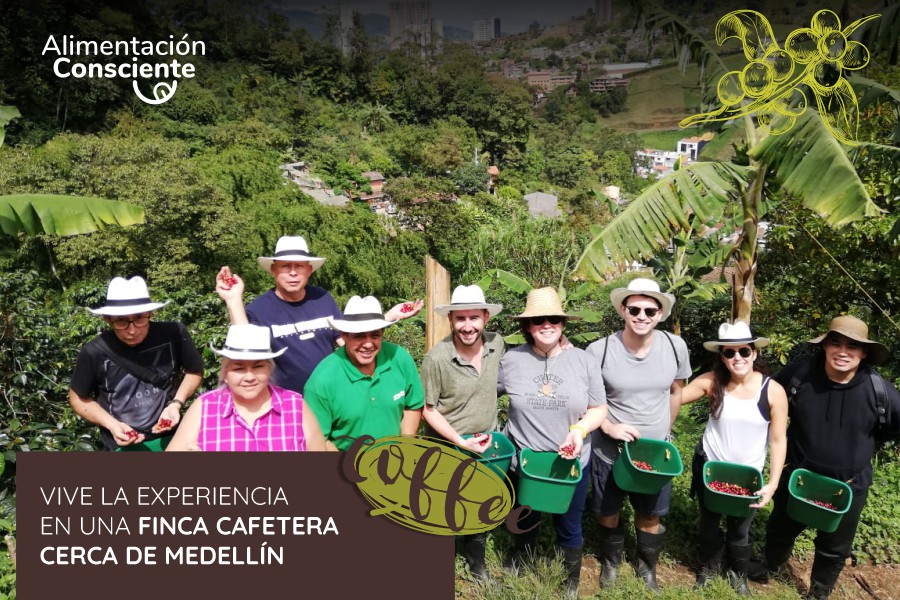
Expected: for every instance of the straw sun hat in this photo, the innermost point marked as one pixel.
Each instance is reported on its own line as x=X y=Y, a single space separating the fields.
x=544 y=302
x=857 y=330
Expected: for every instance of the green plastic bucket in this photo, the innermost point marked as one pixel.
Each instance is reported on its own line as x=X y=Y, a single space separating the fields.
x=723 y=503
x=498 y=455
x=805 y=487
x=157 y=445
x=659 y=454
x=547 y=480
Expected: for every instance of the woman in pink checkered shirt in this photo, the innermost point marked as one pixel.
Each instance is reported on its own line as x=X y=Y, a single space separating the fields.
x=247 y=413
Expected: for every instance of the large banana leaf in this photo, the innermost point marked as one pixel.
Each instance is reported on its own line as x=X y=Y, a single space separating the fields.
x=812 y=165
x=63 y=215
x=647 y=224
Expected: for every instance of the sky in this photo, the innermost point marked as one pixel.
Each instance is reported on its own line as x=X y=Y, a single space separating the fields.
x=514 y=15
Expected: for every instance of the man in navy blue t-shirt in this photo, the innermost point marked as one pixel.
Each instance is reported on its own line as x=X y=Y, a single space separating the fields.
x=295 y=312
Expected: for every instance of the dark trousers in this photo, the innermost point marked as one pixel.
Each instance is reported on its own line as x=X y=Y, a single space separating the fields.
x=781 y=530
x=737 y=529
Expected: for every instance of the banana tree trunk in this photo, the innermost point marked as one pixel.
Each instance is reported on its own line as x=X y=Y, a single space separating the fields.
x=743 y=292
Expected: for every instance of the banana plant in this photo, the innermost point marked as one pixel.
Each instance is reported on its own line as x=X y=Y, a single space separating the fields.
x=805 y=160
x=37 y=214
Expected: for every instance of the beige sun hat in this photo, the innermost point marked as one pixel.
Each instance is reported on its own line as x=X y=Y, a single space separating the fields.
x=468 y=297
x=736 y=334
x=127 y=297
x=857 y=330
x=643 y=287
x=544 y=302
x=361 y=315
x=292 y=248
x=248 y=342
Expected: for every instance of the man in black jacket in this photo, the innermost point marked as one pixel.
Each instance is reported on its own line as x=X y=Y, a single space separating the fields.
x=834 y=419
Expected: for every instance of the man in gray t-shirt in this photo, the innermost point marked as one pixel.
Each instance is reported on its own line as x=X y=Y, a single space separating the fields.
x=644 y=371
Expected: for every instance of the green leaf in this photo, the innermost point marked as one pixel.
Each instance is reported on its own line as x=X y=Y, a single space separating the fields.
x=512 y=282
x=2 y=464
x=646 y=225
x=813 y=166
x=63 y=215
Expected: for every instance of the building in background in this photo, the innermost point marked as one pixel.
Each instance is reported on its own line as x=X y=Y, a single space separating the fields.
x=485 y=30
x=603 y=11
x=343 y=27
x=413 y=24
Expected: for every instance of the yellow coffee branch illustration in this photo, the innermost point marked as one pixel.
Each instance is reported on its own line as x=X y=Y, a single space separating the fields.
x=775 y=82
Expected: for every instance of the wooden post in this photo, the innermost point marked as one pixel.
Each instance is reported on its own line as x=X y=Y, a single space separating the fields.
x=437 y=291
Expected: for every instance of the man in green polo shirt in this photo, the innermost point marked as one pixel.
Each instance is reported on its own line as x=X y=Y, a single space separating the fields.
x=368 y=386
x=459 y=375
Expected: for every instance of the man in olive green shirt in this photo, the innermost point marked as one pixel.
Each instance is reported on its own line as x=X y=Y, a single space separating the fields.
x=459 y=375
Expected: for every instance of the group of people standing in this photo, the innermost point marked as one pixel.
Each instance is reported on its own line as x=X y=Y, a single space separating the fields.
x=284 y=386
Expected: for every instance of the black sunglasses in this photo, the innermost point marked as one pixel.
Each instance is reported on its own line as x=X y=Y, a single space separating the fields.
x=744 y=352
x=554 y=320
x=636 y=310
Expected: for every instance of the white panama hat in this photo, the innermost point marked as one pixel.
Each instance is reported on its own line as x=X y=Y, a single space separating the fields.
x=736 y=334
x=290 y=248
x=468 y=297
x=127 y=297
x=644 y=287
x=361 y=315
x=248 y=342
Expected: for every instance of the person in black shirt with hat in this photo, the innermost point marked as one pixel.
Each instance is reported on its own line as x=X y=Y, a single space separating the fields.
x=835 y=414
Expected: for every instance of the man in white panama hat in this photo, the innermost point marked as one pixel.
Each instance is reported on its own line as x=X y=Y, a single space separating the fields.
x=367 y=386
x=296 y=312
x=644 y=371
x=133 y=379
x=459 y=375
x=837 y=406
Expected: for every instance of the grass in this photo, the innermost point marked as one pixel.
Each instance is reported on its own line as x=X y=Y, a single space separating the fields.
x=544 y=580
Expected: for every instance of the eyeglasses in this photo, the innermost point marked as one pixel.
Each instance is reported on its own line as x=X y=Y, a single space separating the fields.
x=636 y=310
x=745 y=352
x=554 y=320
x=138 y=322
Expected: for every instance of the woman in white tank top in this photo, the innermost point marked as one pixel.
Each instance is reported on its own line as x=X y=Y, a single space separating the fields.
x=747 y=413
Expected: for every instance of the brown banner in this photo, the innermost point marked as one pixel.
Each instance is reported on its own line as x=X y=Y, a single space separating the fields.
x=150 y=525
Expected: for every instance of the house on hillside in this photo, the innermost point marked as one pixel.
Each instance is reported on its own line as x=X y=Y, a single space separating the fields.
x=376 y=182
x=543 y=205
x=692 y=146
x=314 y=187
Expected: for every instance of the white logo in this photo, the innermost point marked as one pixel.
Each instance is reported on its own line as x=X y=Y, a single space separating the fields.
x=130 y=68
x=170 y=91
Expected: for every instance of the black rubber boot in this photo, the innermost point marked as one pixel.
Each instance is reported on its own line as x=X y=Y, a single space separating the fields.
x=612 y=548
x=572 y=562
x=524 y=548
x=473 y=549
x=648 y=548
x=712 y=549
x=825 y=572
x=738 y=563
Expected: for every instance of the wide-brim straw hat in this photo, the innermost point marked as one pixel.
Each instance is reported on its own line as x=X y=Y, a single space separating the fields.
x=127 y=297
x=360 y=316
x=290 y=248
x=248 y=342
x=736 y=334
x=644 y=287
x=857 y=330
x=468 y=297
x=544 y=302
